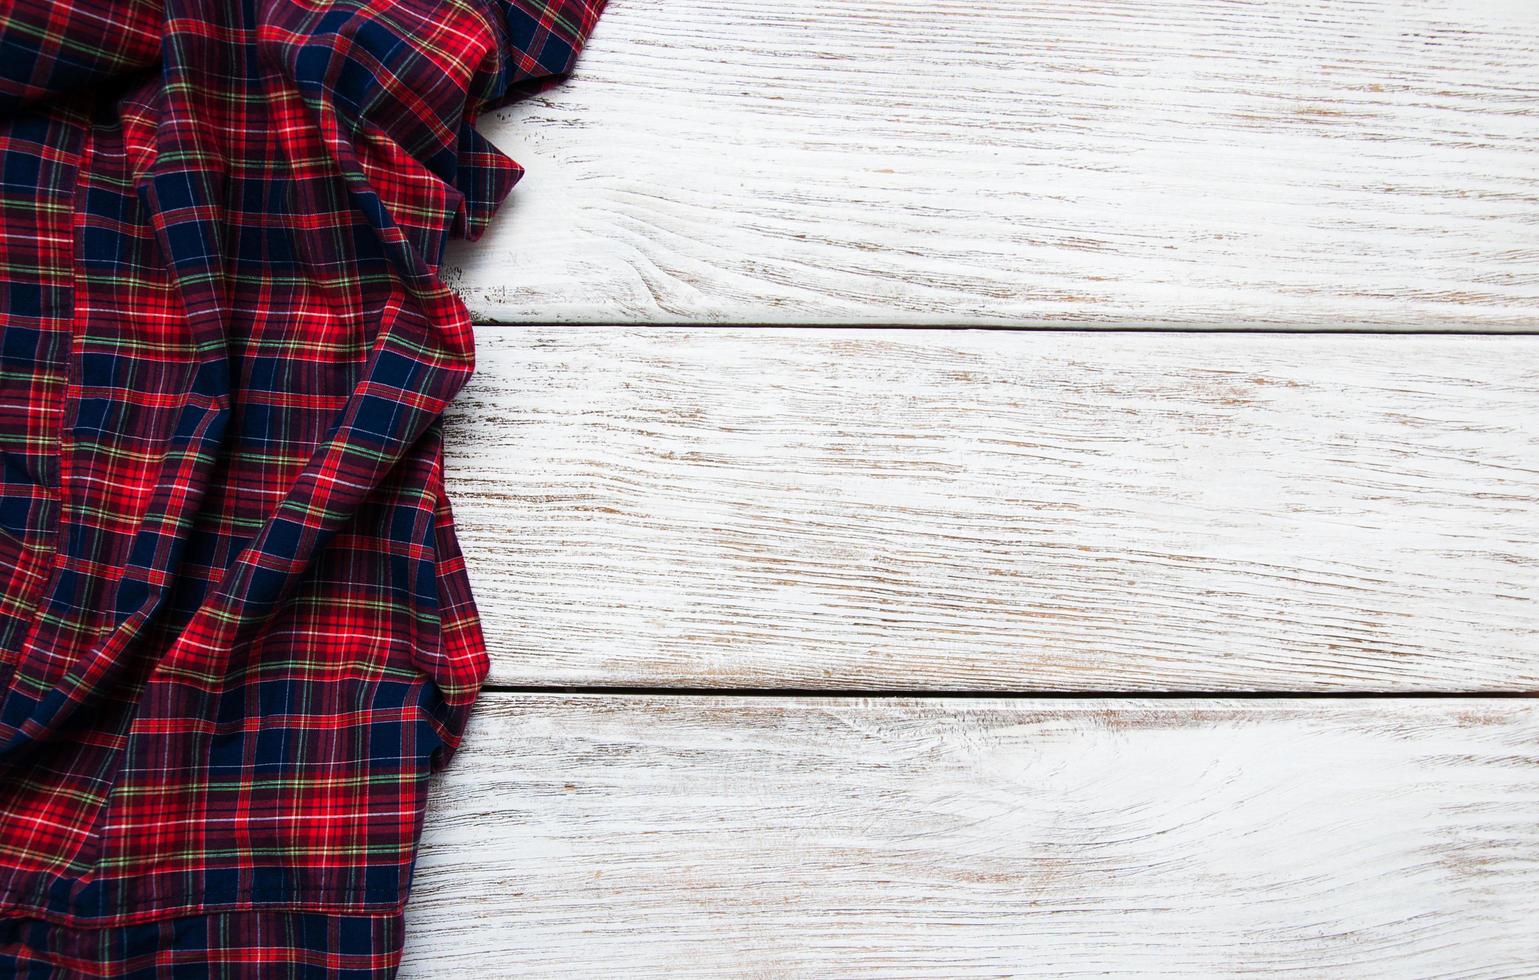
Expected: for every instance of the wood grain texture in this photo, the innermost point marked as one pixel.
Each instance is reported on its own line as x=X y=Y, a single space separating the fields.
x=1173 y=162
x=1001 y=510
x=768 y=837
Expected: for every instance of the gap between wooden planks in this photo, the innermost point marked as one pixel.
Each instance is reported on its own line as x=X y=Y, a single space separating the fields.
x=1163 y=162
x=775 y=837
x=1002 y=511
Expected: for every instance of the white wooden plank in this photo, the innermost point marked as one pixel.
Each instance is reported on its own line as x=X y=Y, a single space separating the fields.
x=1180 y=162
x=997 y=510
x=768 y=837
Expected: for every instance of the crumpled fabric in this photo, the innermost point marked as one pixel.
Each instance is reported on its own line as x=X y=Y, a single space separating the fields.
x=236 y=635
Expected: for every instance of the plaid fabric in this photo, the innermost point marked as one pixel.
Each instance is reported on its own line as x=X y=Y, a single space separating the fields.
x=235 y=630
x=262 y=943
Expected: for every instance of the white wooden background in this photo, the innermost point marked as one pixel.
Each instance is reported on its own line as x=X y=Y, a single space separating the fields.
x=833 y=638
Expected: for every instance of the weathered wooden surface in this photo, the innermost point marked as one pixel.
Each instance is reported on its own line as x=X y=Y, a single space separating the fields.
x=770 y=837
x=1000 y=161
x=997 y=510
x=860 y=509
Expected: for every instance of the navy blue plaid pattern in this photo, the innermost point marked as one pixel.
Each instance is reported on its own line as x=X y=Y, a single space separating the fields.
x=236 y=634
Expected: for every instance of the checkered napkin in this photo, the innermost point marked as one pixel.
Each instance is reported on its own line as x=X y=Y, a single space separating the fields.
x=235 y=630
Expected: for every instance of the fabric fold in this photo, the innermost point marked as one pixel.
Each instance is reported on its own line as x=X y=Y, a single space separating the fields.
x=237 y=635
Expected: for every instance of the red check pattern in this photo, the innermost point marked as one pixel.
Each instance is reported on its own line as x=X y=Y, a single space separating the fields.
x=236 y=634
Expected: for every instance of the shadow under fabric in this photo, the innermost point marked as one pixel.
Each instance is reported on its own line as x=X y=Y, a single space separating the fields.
x=236 y=634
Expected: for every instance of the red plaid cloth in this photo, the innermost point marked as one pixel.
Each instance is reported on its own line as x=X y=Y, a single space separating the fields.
x=235 y=630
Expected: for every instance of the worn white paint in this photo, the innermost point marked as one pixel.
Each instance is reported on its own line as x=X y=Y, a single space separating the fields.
x=772 y=837
x=953 y=510
x=1179 y=162
x=999 y=510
